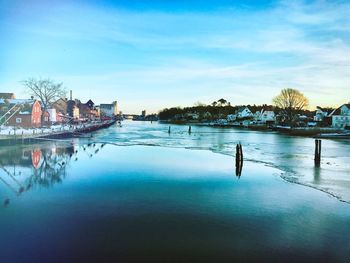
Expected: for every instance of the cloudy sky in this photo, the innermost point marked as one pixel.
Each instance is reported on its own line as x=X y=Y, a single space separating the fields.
x=155 y=54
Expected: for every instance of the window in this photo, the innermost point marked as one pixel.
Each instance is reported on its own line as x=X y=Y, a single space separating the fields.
x=18 y=120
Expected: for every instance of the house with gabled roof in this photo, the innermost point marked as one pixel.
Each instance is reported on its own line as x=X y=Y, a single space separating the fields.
x=244 y=112
x=20 y=112
x=341 y=116
x=7 y=96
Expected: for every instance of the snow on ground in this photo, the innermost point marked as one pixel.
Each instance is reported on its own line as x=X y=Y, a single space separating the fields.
x=11 y=130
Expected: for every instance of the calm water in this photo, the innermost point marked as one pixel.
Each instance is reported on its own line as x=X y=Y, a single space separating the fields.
x=89 y=200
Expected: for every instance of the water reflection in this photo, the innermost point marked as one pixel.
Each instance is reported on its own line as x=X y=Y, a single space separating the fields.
x=43 y=165
x=293 y=155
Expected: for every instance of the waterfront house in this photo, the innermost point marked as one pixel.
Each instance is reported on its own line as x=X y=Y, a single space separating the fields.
x=20 y=112
x=73 y=109
x=88 y=110
x=231 y=117
x=7 y=96
x=60 y=105
x=244 y=112
x=51 y=116
x=90 y=104
x=341 y=116
x=265 y=117
x=323 y=117
x=192 y=116
x=109 y=110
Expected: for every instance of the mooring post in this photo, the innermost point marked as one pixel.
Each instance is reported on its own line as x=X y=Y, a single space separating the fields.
x=241 y=152
x=237 y=155
x=239 y=159
x=189 y=129
x=318 y=146
x=169 y=130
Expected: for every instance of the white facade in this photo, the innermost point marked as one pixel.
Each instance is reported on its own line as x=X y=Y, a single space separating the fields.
x=76 y=112
x=244 y=113
x=231 y=117
x=109 y=110
x=342 y=119
x=193 y=116
x=320 y=115
x=265 y=116
x=52 y=115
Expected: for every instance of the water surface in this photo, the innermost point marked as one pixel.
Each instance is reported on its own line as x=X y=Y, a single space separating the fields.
x=80 y=201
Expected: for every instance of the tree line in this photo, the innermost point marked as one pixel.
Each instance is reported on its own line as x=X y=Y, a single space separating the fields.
x=289 y=103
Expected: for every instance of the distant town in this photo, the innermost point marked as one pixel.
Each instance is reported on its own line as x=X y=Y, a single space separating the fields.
x=29 y=113
x=288 y=114
x=264 y=115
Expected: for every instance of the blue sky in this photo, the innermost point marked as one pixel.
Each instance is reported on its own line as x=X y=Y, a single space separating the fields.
x=155 y=54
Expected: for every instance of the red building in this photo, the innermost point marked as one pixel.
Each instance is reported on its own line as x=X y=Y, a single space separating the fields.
x=21 y=113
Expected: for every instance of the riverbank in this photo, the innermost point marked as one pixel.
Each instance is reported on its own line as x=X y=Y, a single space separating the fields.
x=326 y=132
x=10 y=135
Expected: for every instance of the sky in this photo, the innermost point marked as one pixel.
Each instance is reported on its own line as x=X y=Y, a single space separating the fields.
x=156 y=54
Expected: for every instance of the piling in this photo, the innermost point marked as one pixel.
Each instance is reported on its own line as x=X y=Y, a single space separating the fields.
x=169 y=130
x=318 y=147
x=189 y=129
x=239 y=159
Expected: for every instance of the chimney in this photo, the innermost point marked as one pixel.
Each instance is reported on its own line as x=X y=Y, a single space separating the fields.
x=71 y=95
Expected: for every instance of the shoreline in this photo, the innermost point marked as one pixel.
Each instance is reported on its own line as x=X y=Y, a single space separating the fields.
x=313 y=132
x=49 y=133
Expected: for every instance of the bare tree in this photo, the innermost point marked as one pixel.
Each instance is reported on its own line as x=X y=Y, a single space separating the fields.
x=291 y=101
x=46 y=90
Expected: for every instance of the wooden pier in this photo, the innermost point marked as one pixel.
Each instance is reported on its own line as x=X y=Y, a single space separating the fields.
x=43 y=133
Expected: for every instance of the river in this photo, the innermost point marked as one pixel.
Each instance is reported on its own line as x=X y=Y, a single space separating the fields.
x=138 y=193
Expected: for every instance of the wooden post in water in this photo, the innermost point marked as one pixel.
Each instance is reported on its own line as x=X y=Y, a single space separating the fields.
x=239 y=160
x=189 y=129
x=318 y=147
x=169 y=130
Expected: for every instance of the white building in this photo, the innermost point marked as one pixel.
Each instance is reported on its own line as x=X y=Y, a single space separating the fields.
x=267 y=116
x=193 y=116
x=244 y=112
x=52 y=115
x=320 y=114
x=109 y=110
x=231 y=117
x=341 y=117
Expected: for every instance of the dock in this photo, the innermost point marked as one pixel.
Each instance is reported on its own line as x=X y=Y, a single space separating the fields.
x=68 y=131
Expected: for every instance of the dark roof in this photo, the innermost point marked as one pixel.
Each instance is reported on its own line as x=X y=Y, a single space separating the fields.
x=7 y=96
x=242 y=108
x=90 y=104
x=337 y=111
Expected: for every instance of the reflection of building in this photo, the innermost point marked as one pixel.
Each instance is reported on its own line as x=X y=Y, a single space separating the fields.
x=22 y=167
x=36 y=157
x=109 y=110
